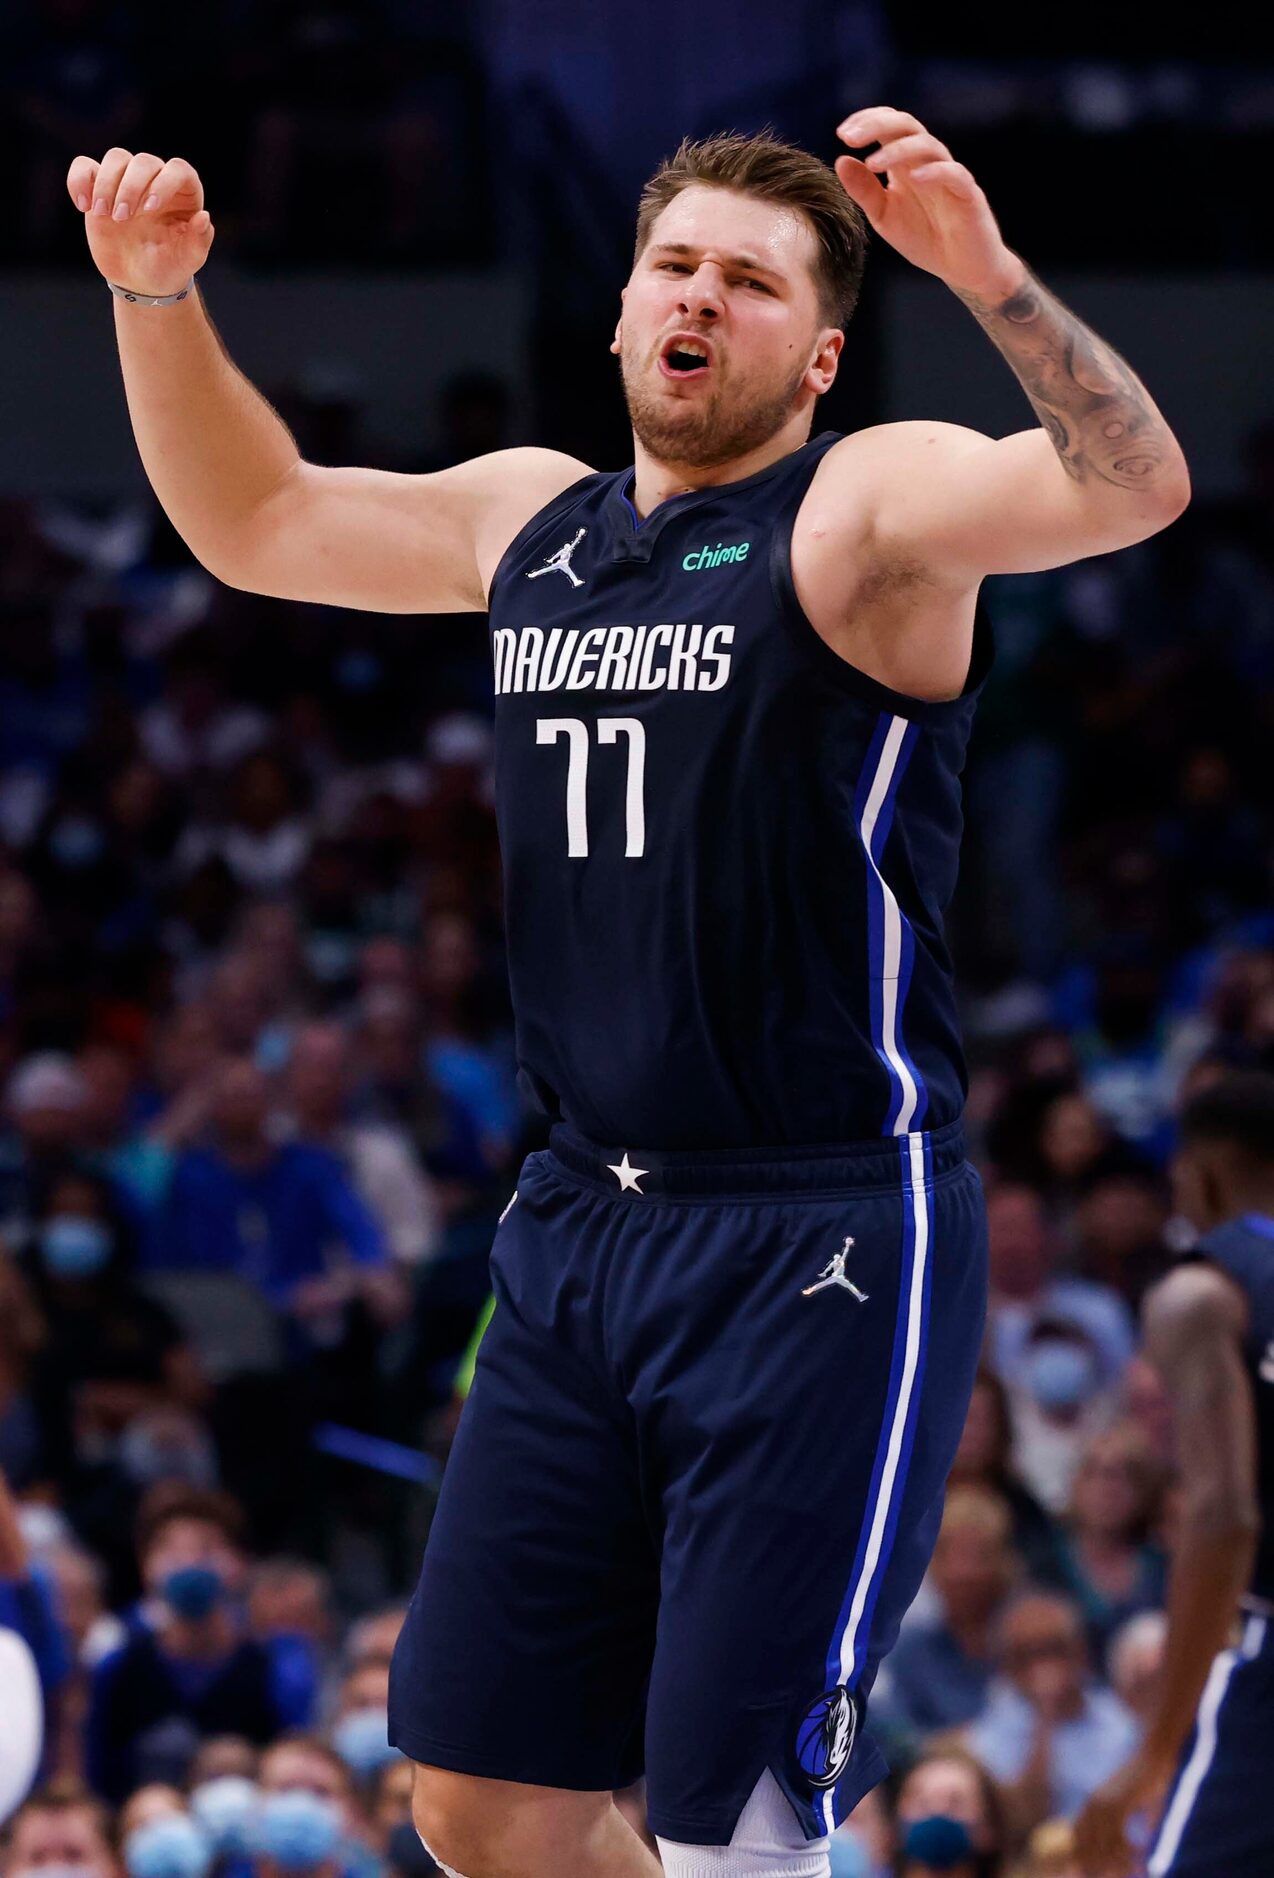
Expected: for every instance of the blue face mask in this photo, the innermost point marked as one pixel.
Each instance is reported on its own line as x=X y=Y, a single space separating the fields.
x=298 y=1830
x=848 y=1857
x=938 y=1842
x=225 y=1808
x=1059 y=1375
x=361 y=1738
x=74 y=1247
x=170 y=1847
x=192 y=1590
x=57 y=1870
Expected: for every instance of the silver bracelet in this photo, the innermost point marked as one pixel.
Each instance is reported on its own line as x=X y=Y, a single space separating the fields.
x=151 y=299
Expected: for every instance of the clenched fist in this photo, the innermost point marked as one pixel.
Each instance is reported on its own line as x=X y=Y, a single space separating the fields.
x=145 y=220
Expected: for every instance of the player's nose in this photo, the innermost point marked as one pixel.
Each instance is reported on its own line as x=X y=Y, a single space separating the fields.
x=703 y=298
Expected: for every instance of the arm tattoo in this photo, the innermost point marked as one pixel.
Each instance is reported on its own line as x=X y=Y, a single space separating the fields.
x=1097 y=412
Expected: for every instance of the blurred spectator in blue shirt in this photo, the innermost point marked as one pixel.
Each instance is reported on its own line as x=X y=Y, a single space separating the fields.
x=937 y=1674
x=1049 y=1733
x=189 y=1668
x=46 y=1106
x=379 y=1158
x=283 y=1216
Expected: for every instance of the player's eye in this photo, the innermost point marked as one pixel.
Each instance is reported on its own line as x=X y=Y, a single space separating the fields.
x=760 y=286
x=674 y=267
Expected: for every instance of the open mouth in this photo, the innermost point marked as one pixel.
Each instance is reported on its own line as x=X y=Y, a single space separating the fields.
x=684 y=357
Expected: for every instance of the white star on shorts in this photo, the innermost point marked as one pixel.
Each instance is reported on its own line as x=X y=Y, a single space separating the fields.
x=627 y=1176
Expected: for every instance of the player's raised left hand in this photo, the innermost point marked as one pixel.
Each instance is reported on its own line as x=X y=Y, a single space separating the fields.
x=932 y=211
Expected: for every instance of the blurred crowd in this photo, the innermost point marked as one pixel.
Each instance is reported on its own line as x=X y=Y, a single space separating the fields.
x=350 y=130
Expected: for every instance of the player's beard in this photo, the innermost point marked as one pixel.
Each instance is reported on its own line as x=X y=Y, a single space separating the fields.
x=709 y=431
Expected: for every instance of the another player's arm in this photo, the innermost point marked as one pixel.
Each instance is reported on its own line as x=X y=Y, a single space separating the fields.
x=227 y=470
x=1102 y=471
x=1195 y=1322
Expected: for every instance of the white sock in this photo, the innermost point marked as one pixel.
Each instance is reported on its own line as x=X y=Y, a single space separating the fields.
x=766 y=1843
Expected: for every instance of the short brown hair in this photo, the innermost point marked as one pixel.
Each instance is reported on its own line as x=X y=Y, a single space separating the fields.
x=169 y=1500
x=64 y=1794
x=765 y=166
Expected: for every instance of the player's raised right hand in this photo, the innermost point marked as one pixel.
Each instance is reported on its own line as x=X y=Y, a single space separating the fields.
x=145 y=220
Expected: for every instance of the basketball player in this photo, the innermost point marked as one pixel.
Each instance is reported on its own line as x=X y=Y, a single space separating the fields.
x=740 y=1296
x=1210 y=1331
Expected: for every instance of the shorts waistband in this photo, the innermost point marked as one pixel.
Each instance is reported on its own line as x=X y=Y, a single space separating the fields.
x=837 y=1167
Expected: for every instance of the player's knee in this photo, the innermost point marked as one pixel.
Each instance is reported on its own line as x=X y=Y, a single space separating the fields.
x=474 y=1827
x=448 y=1819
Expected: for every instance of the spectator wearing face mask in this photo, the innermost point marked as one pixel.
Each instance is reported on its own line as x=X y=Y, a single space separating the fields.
x=160 y=1838
x=949 y=1818
x=360 y=1727
x=308 y=1824
x=224 y=1797
x=1062 y=1400
x=45 y=1116
x=1048 y=1732
x=111 y=1352
x=62 y=1831
x=194 y=1671
x=1028 y=1286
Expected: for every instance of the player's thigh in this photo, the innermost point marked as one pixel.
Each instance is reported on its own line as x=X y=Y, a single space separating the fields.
x=527 y=1645
x=796 y=1541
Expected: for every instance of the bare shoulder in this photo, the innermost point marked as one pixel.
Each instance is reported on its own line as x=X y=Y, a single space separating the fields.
x=875 y=599
x=911 y=443
x=1195 y=1303
x=504 y=490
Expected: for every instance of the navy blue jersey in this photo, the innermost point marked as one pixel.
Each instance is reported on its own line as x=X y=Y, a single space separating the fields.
x=1244 y=1250
x=727 y=852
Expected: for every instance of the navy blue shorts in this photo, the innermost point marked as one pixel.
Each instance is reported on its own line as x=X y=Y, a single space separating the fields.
x=699 y=1475
x=1219 y=1817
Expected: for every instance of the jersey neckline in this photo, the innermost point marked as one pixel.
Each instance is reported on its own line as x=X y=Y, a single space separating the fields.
x=630 y=525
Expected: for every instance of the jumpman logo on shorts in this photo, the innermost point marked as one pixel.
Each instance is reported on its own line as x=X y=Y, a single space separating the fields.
x=833 y=1273
x=560 y=563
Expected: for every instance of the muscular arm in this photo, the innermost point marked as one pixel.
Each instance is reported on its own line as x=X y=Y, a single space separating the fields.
x=1195 y=1323
x=1102 y=471
x=1100 y=419
x=234 y=485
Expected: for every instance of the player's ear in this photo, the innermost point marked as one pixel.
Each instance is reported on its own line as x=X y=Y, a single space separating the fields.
x=822 y=369
x=619 y=323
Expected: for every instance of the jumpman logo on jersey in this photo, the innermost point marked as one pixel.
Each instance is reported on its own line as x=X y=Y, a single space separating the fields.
x=833 y=1273
x=560 y=563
